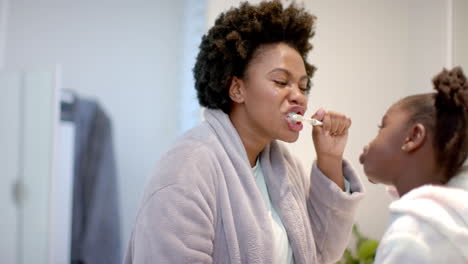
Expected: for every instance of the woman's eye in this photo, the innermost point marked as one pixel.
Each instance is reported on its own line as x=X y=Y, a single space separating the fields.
x=281 y=83
x=304 y=89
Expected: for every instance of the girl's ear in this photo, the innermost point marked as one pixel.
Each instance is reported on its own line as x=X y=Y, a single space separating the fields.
x=415 y=138
x=237 y=90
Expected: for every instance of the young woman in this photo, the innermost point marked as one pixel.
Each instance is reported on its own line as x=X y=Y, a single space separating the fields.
x=229 y=191
x=421 y=150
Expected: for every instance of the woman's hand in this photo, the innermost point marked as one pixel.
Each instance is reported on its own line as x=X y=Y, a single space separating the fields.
x=329 y=141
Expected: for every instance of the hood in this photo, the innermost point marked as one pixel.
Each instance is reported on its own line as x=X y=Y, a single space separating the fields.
x=461 y=179
x=443 y=207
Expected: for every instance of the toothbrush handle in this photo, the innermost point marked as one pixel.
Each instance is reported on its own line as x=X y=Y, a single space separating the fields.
x=313 y=122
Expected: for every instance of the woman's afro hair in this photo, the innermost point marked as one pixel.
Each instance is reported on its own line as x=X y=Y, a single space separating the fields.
x=227 y=48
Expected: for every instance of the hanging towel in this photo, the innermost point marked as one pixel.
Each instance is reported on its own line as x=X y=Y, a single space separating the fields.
x=95 y=224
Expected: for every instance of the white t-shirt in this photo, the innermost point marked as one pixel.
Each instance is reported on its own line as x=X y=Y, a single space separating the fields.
x=282 y=248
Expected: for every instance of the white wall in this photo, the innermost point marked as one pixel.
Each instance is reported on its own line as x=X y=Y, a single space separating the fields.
x=3 y=26
x=430 y=42
x=460 y=34
x=194 y=27
x=124 y=53
x=368 y=54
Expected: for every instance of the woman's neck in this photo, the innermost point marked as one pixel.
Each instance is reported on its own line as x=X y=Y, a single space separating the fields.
x=252 y=141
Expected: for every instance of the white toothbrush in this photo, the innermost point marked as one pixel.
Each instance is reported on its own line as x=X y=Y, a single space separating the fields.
x=299 y=118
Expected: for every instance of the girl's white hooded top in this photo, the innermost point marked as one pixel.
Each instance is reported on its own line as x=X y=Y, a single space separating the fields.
x=429 y=225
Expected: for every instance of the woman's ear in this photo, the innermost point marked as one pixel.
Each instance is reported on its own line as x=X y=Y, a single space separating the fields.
x=415 y=138
x=237 y=90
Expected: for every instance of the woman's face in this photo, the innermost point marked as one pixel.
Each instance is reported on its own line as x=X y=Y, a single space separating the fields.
x=275 y=85
x=383 y=157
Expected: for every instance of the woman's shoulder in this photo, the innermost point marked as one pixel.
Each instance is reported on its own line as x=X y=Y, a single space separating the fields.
x=189 y=161
x=195 y=145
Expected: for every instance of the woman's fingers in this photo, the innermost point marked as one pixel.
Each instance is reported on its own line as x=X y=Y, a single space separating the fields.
x=347 y=125
x=336 y=123
x=327 y=123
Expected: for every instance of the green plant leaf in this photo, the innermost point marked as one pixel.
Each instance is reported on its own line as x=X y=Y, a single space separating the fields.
x=359 y=237
x=367 y=249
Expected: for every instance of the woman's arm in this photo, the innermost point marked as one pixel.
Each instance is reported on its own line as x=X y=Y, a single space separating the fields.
x=332 y=212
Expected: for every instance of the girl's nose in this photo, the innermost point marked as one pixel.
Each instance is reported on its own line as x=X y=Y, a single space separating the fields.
x=362 y=157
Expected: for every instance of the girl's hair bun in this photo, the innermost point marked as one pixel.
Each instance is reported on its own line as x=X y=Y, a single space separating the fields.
x=452 y=89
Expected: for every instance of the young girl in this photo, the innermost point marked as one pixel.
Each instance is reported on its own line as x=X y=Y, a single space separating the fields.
x=421 y=150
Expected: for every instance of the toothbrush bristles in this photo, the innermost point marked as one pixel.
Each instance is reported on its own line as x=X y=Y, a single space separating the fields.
x=295 y=117
x=300 y=118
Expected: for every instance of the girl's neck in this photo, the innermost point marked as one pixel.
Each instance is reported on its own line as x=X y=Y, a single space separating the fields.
x=417 y=176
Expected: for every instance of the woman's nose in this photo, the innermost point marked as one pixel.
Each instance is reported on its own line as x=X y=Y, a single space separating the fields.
x=297 y=96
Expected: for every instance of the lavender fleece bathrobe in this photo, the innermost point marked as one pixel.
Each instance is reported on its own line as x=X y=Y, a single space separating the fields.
x=203 y=205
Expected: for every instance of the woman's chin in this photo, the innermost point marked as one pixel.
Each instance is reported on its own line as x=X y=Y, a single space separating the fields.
x=290 y=137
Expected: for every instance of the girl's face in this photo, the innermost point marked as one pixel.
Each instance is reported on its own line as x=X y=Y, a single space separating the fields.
x=383 y=157
x=275 y=84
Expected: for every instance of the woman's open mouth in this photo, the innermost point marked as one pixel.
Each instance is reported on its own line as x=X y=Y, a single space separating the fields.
x=293 y=125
